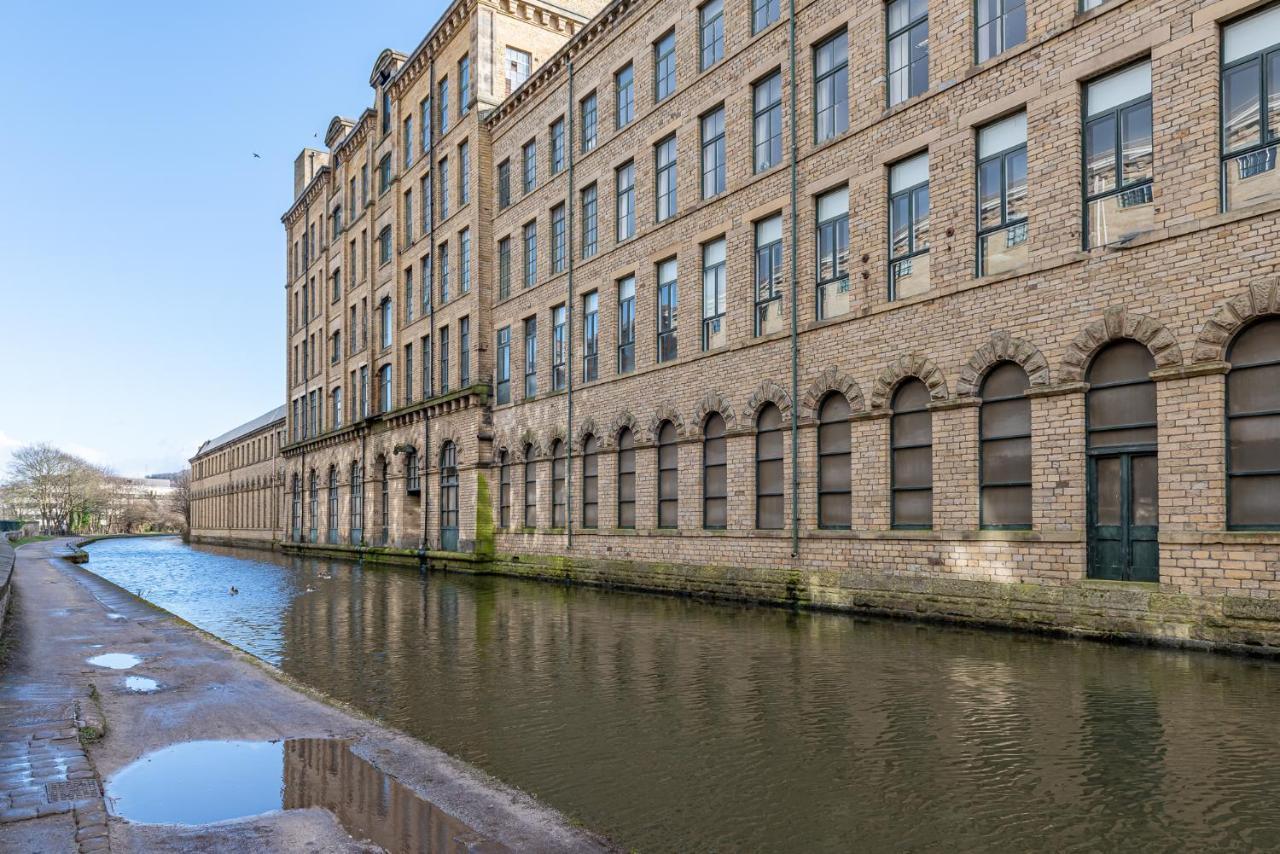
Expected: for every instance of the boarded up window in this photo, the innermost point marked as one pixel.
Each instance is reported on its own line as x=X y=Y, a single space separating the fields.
x=769 y=486
x=833 y=463
x=626 y=480
x=668 y=477
x=559 y=464
x=1005 y=429
x=530 y=489
x=590 y=484
x=1253 y=425
x=911 y=443
x=715 y=485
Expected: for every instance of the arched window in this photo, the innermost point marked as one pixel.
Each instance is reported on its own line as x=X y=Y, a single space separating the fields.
x=448 y=497
x=384 y=388
x=1122 y=398
x=357 y=504
x=834 y=489
x=333 y=504
x=295 y=525
x=1253 y=427
x=313 y=507
x=668 y=477
x=504 y=490
x=715 y=477
x=530 y=488
x=558 y=463
x=1005 y=448
x=412 y=479
x=769 y=484
x=590 y=483
x=384 y=509
x=626 y=479
x=911 y=443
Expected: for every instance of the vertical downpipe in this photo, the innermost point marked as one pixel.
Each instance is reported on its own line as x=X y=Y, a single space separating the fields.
x=568 y=311
x=424 y=465
x=795 y=308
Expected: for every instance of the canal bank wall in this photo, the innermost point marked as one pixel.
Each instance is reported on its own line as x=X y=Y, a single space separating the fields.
x=7 y=559
x=1105 y=610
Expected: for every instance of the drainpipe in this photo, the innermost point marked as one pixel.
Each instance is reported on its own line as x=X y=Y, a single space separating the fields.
x=569 y=313
x=795 y=317
x=306 y=377
x=424 y=480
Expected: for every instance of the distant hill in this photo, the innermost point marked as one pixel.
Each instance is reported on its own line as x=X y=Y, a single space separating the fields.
x=173 y=475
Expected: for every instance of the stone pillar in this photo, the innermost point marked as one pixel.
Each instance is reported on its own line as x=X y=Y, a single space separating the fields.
x=869 y=456
x=1191 y=412
x=955 y=464
x=1058 y=486
x=607 y=483
x=646 y=486
x=808 y=481
x=544 y=493
x=740 y=508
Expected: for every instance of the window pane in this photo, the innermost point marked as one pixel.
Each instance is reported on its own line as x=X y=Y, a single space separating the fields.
x=989 y=213
x=1259 y=343
x=1015 y=179
x=1006 y=418
x=1121 y=215
x=1107 y=507
x=1135 y=135
x=1006 y=461
x=1255 y=444
x=1240 y=109
x=1255 y=501
x=913 y=428
x=1123 y=361
x=834 y=511
x=833 y=438
x=1006 y=505
x=1100 y=154
x=1005 y=380
x=913 y=467
x=1273 y=96
x=1122 y=405
x=834 y=473
x=913 y=508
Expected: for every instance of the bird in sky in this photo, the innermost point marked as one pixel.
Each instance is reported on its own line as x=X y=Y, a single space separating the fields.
x=257 y=155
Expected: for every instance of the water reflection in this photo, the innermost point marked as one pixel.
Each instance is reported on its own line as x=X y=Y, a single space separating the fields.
x=671 y=724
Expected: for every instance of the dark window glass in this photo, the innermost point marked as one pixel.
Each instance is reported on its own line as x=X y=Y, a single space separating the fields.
x=448 y=496
x=668 y=477
x=831 y=87
x=1253 y=426
x=590 y=483
x=834 y=474
x=1000 y=25
x=767 y=122
x=769 y=483
x=664 y=66
x=711 y=32
x=1122 y=399
x=626 y=480
x=715 y=477
x=504 y=490
x=911 y=444
x=908 y=22
x=1005 y=430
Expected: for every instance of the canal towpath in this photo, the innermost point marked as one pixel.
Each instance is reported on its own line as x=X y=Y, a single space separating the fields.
x=72 y=724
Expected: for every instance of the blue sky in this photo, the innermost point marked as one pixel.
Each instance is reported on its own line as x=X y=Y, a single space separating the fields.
x=141 y=250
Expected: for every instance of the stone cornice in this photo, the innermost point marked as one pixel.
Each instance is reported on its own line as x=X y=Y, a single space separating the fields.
x=358 y=133
x=309 y=194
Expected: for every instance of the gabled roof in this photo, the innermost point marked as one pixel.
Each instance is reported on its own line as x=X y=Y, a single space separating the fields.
x=243 y=430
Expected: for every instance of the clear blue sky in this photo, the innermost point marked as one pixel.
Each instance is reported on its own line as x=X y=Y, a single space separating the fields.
x=141 y=250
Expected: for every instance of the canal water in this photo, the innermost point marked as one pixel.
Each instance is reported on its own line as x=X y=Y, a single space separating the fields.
x=676 y=725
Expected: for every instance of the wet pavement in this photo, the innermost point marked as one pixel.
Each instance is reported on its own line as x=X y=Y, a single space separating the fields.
x=211 y=692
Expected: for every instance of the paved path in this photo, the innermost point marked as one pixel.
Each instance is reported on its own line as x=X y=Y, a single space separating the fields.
x=63 y=614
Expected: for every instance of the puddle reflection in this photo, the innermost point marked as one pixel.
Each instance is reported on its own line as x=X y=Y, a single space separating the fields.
x=140 y=684
x=115 y=660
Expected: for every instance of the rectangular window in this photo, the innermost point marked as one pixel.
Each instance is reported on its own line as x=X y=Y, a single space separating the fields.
x=364 y=391
x=427 y=295
x=337 y=408
x=384 y=245
x=408 y=217
x=386 y=111
x=428 y=357
x=1118 y=157
x=503 y=368
x=767 y=121
x=665 y=178
x=364 y=183
x=424 y=111
x=408 y=141
x=557 y=239
x=530 y=165
x=443 y=255
x=464 y=171
x=519 y=66
x=464 y=261
x=385 y=322
x=589 y=221
x=627 y=325
x=559 y=348
x=664 y=66
x=590 y=337
x=714 y=333
x=831 y=87
x=557 y=146
x=999 y=25
x=711 y=33
x=408 y=295
x=425 y=193
x=908 y=38
x=530 y=254
x=624 y=98
x=713 y=157
x=504 y=184
x=408 y=372
x=443 y=335
x=588 y=121
x=909 y=227
x=668 y=310
x=768 y=289
x=1002 y=195
x=530 y=357
x=464 y=85
x=384 y=174
x=464 y=352
x=443 y=172
x=625 y=217
x=442 y=103
x=504 y=268
x=764 y=13
x=1251 y=109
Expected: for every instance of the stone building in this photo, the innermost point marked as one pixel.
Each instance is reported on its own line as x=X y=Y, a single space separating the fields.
x=236 y=484
x=942 y=308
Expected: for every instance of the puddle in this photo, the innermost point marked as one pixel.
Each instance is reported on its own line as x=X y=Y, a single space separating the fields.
x=115 y=660
x=198 y=782
x=140 y=684
x=116 y=617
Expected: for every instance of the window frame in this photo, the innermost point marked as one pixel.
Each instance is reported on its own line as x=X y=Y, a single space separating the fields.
x=773 y=250
x=1005 y=223
x=895 y=446
x=999 y=22
x=904 y=32
x=667 y=296
x=664 y=66
x=770 y=110
x=1115 y=114
x=831 y=77
x=716 y=26
x=984 y=441
x=1230 y=475
x=665 y=172
x=619 y=88
x=911 y=195
x=719 y=298
x=626 y=325
x=502 y=366
x=715 y=145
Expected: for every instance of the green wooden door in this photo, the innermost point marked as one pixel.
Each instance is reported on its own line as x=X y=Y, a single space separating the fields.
x=1123 y=517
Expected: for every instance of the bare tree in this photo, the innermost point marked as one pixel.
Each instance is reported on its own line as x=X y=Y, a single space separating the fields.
x=180 y=501
x=65 y=491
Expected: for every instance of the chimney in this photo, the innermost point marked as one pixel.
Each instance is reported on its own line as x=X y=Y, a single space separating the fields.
x=305 y=167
